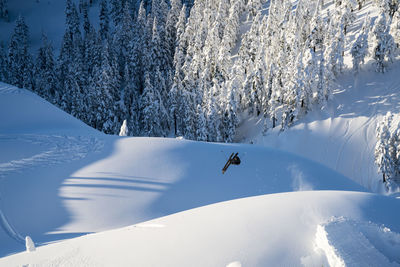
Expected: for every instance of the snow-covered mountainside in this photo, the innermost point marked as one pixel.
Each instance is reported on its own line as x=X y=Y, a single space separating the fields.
x=62 y=179
x=310 y=195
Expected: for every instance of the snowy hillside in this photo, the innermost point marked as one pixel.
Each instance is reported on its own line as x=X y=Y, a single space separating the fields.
x=308 y=191
x=65 y=181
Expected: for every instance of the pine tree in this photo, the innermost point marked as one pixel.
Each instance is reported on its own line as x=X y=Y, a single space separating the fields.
x=105 y=86
x=70 y=59
x=4 y=10
x=359 y=49
x=104 y=20
x=335 y=50
x=171 y=30
x=201 y=124
x=395 y=28
x=230 y=117
x=45 y=72
x=383 y=46
x=3 y=64
x=19 y=60
x=117 y=11
x=150 y=107
x=123 y=36
x=348 y=17
x=384 y=150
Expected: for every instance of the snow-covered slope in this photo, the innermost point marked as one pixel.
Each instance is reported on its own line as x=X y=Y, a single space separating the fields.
x=91 y=182
x=288 y=229
x=342 y=136
x=61 y=179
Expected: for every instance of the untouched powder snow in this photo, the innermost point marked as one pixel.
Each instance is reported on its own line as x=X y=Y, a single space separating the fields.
x=63 y=180
x=91 y=182
x=270 y=230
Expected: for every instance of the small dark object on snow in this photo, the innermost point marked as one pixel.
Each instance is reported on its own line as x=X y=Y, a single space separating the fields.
x=233 y=159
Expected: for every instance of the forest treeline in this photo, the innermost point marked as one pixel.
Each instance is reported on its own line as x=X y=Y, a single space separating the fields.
x=191 y=69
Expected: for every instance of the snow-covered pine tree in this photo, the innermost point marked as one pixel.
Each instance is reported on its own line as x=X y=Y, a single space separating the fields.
x=20 y=63
x=117 y=11
x=359 y=49
x=384 y=150
x=173 y=18
x=335 y=47
x=214 y=115
x=347 y=17
x=45 y=72
x=251 y=43
x=138 y=47
x=70 y=61
x=3 y=64
x=395 y=28
x=159 y=10
x=86 y=22
x=150 y=107
x=383 y=45
x=201 y=124
x=104 y=18
x=310 y=80
x=122 y=38
x=230 y=116
x=4 y=10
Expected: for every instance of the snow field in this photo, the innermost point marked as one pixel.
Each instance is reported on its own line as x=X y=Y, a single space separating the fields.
x=273 y=230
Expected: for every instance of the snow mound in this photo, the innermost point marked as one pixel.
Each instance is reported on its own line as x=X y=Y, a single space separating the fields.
x=268 y=230
x=22 y=112
x=347 y=242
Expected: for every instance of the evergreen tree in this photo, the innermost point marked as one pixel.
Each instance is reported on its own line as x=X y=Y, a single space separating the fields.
x=3 y=64
x=171 y=30
x=395 y=28
x=201 y=124
x=117 y=11
x=230 y=117
x=104 y=86
x=4 y=10
x=359 y=49
x=385 y=151
x=20 y=63
x=383 y=46
x=150 y=107
x=104 y=20
x=122 y=39
x=45 y=73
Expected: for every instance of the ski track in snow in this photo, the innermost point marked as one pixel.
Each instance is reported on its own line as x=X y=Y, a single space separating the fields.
x=62 y=149
x=6 y=89
x=353 y=243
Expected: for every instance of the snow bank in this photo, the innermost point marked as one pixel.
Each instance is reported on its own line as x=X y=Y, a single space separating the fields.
x=269 y=230
x=348 y=242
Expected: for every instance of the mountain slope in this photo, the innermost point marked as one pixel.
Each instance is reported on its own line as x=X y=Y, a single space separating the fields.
x=90 y=182
x=271 y=230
